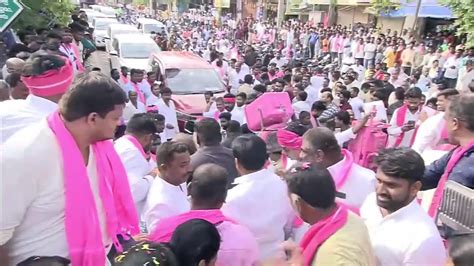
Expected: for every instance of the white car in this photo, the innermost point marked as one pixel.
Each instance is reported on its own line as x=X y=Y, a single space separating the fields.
x=148 y=25
x=115 y=29
x=132 y=51
x=100 y=29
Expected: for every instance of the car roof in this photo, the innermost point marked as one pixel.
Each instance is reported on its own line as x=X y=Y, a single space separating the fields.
x=133 y=38
x=124 y=26
x=149 y=21
x=106 y=19
x=181 y=60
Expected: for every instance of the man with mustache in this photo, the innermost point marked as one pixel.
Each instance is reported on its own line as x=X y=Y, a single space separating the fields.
x=400 y=230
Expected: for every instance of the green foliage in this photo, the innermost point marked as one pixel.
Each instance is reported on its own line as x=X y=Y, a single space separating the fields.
x=383 y=6
x=44 y=13
x=141 y=2
x=464 y=11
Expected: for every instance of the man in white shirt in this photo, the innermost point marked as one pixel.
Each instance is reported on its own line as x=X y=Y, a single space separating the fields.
x=168 y=194
x=46 y=86
x=138 y=84
x=321 y=148
x=167 y=108
x=401 y=232
x=369 y=52
x=356 y=103
x=403 y=125
x=238 y=112
x=133 y=149
x=279 y=60
x=42 y=215
x=301 y=104
x=259 y=198
x=466 y=76
x=451 y=67
x=430 y=133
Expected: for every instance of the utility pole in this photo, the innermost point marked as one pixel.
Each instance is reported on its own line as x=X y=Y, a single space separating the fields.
x=280 y=12
x=417 y=13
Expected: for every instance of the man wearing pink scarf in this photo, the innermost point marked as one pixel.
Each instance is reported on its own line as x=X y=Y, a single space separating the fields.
x=320 y=147
x=64 y=190
x=336 y=236
x=208 y=190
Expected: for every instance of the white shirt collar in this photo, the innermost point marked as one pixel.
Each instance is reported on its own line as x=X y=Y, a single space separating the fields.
x=251 y=177
x=400 y=214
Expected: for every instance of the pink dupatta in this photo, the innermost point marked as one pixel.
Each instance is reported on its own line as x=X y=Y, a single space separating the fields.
x=83 y=230
x=401 y=115
x=137 y=144
x=141 y=96
x=458 y=153
x=165 y=228
x=318 y=233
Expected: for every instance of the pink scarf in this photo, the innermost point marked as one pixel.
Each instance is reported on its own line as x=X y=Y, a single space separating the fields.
x=83 y=230
x=137 y=144
x=401 y=115
x=289 y=139
x=165 y=228
x=124 y=79
x=75 y=50
x=141 y=96
x=341 y=179
x=442 y=145
x=438 y=195
x=320 y=232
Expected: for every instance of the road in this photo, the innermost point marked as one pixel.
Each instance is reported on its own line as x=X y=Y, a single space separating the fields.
x=100 y=59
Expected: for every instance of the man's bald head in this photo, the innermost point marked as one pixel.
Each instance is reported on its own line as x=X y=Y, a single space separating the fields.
x=208 y=188
x=321 y=138
x=15 y=65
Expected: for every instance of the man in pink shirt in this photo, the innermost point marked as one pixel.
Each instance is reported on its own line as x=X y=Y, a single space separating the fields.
x=208 y=190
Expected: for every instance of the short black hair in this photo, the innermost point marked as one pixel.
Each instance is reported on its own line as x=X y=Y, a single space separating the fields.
x=355 y=89
x=210 y=93
x=447 y=93
x=157 y=117
x=248 y=79
x=296 y=128
x=303 y=114
x=165 y=90
x=13 y=79
x=233 y=127
x=400 y=93
x=243 y=95
x=166 y=151
x=303 y=95
x=250 y=151
x=461 y=249
x=345 y=94
x=92 y=92
x=462 y=108
x=208 y=132
x=136 y=71
x=209 y=184
x=318 y=106
x=344 y=117
x=260 y=88
x=195 y=240
x=315 y=186
x=226 y=115
x=141 y=124
x=326 y=90
x=401 y=163
x=414 y=92
x=41 y=62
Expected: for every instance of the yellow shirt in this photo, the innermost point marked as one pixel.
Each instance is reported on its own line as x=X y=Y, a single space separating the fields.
x=390 y=57
x=350 y=245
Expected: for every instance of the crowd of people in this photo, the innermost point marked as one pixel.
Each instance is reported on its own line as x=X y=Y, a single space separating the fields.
x=96 y=171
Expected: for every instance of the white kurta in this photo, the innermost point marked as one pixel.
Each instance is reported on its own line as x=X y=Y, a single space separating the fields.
x=18 y=114
x=394 y=131
x=238 y=114
x=359 y=184
x=164 y=200
x=301 y=106
x=428 y=136
x=33 y=195
x=405 y=237
x=260 y=202
x=137 y=168
x=130 y=110
x=169 y=112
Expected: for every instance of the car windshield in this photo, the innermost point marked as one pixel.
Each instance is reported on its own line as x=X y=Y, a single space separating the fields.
x=148 y=28
x=103 y=24
x=193 y=81
x=138 y=50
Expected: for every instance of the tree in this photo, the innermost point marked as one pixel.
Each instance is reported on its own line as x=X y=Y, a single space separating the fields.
x=463 y=10
x=44 y=13
x=379 y=7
